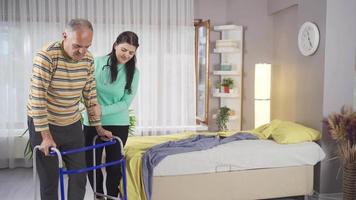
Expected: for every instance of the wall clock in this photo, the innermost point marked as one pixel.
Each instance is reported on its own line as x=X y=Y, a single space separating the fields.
x=308 y=38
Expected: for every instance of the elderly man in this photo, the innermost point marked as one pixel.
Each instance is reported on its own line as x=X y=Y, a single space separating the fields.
x=62 y=74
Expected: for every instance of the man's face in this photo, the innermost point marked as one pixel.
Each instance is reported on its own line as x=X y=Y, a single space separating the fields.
x=76 y=43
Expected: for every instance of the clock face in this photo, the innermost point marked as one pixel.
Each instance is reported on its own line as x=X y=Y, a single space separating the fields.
x=308 y=38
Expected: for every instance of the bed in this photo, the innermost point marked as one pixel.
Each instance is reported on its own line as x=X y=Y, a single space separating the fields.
x=264 y=169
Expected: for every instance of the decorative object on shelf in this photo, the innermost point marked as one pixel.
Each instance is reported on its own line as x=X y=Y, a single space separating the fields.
x=225 y=67
x=226 y=43
x=226 y=46
x=232 y=112
x=342 y=127
x=262 y=93
x=228 y=84
x=222 y=118
x=308 y=38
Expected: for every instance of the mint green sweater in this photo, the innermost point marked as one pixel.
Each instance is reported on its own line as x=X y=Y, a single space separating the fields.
x=114 y=100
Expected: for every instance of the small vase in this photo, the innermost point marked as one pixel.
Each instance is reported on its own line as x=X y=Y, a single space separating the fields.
x=226 y=89
x=349 y=181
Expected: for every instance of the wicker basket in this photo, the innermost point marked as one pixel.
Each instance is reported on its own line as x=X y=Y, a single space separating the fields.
x=349 y=181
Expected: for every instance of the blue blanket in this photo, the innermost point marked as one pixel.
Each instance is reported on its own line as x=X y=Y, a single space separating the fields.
x=157 y=153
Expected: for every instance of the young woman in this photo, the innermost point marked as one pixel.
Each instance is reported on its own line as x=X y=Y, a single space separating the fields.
x=116 y=85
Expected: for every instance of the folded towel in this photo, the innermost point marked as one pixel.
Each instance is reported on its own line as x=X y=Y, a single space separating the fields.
x=226 y=43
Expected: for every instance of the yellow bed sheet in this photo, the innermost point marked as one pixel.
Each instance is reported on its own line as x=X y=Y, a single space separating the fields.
x=134 y=149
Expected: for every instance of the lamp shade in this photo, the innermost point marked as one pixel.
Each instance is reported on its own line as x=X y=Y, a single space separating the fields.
x=262 y=112
x=262 y=81
x=262 y=94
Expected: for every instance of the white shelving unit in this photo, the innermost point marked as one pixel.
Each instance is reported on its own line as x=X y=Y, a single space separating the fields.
x=230 y=48
x=226 y=73
x=226 y=95
x=226 y=50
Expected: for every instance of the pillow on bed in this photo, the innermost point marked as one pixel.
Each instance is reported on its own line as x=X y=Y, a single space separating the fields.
x=286 y=132
x=261 y=131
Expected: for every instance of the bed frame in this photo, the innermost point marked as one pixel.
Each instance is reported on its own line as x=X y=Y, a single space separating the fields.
x=235 y=185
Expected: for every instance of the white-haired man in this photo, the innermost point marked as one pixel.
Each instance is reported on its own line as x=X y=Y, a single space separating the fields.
x=62 y=73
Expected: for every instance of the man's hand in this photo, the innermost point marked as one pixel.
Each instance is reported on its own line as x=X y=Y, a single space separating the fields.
x=47 y=142
x=104 y=134
x=94 y=112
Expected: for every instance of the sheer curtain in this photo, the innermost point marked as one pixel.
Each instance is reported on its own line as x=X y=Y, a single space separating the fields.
x=165 y=101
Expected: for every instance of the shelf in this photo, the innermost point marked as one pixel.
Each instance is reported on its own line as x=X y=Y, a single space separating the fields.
x=228 y=28
x=227 y=50
x=232 y=117
x=230 y=48
x=225 y=95
x=227 y=41
x=220 y=44
x=226 y=73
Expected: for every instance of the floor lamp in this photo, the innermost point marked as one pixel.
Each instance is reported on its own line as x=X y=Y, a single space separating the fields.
x=262 y=94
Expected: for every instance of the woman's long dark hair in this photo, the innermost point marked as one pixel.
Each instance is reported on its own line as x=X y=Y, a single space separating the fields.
x=129 y=38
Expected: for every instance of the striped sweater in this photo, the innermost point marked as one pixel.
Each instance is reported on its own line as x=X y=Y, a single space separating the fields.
x=57 y=84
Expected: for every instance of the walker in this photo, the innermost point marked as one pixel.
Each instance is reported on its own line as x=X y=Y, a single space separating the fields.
x=55 y=152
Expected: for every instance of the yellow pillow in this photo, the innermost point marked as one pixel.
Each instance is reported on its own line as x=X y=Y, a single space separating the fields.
x=265 y=131
x=286 y=132
x=261 y=131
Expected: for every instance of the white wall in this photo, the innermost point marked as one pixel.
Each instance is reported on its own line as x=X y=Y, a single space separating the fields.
x=339 y=77
x=274 y=6
x=258 y=46
x=284 y=99
x=339 y=54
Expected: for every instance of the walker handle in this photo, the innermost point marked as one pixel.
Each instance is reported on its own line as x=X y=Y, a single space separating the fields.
x=111 y=142
x=113 y=139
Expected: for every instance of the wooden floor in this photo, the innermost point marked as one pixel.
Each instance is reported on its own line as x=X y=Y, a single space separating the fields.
x=17 y=184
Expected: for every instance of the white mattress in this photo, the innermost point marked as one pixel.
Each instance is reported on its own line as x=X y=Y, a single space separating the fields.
x=240 y=155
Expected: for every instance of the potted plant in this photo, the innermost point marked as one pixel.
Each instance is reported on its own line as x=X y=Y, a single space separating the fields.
x=132 y=122
x=342 y=128
x=217 y=87
x=27 y=150
x=228 y=84
x=222 y=118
